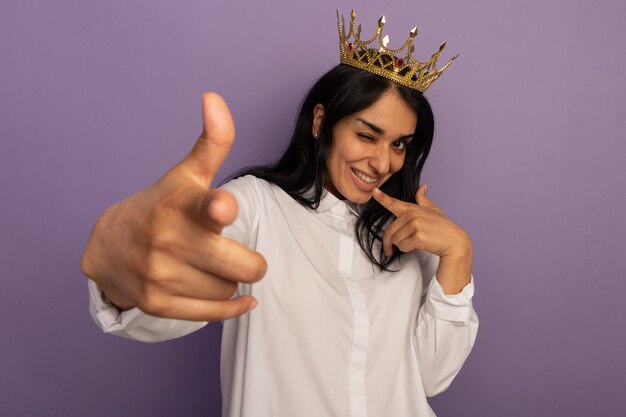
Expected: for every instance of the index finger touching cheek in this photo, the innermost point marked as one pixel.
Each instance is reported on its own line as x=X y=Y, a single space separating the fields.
x=393 y=205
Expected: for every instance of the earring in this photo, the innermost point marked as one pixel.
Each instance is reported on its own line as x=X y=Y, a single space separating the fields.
x=316 y=135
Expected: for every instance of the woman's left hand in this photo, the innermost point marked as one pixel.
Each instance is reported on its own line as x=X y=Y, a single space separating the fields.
x=422 y=226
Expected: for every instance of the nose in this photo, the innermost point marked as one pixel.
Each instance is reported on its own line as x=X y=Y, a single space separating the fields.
x=380 y=160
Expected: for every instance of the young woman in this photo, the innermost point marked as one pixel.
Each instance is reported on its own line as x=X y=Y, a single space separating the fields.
x=363 y=285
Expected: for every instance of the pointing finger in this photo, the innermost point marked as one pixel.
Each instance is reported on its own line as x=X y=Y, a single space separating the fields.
x=220 y=208
x=393 y=205
x=211 y=209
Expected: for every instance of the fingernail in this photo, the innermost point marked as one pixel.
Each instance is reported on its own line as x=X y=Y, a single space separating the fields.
x=425 y=187
x=254 y=304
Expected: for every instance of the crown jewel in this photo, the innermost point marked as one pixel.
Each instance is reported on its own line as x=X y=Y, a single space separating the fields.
x=385 y=61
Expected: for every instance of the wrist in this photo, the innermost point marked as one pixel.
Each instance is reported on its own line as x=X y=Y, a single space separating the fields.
x=455 y=270
x=460 y=251
x=115 y=298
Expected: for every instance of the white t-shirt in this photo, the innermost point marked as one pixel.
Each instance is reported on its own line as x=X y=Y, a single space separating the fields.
x=332 y=335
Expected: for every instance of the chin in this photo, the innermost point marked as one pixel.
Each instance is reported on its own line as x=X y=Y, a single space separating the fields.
x=359 y=197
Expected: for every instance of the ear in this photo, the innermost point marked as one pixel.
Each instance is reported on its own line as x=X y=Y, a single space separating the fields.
x=318 y=118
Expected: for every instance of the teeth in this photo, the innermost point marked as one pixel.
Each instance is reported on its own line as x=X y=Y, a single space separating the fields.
x=364 y=177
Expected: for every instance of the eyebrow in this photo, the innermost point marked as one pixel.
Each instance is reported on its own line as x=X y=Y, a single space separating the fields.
x=381 y=131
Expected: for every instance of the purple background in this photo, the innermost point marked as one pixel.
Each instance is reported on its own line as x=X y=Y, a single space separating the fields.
x=98 y=99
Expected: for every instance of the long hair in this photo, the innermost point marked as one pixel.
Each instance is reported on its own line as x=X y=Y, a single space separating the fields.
x=343 y=91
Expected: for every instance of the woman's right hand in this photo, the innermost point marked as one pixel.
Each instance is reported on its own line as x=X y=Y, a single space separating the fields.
x=161 y=249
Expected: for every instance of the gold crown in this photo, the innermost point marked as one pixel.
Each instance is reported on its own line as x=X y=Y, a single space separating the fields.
x=383 y=61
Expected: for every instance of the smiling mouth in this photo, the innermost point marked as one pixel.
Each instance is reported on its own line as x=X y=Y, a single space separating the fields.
x=363 y=177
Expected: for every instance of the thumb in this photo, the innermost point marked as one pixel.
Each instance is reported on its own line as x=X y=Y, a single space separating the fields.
x=421 y=198
x=213 y=145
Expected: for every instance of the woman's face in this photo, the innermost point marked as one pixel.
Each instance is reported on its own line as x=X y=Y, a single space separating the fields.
x=369 y=147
